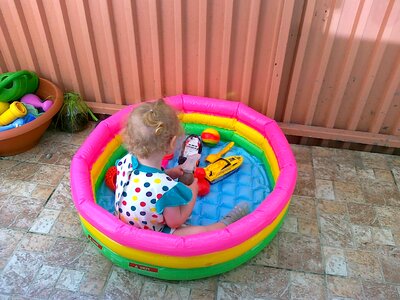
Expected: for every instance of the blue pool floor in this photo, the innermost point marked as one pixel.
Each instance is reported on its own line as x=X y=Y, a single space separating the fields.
x=249 y=183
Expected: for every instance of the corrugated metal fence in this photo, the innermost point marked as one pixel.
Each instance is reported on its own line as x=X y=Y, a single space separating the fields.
x=326 y=69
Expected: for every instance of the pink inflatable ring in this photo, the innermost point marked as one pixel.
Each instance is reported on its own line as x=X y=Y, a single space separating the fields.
x=183 y=258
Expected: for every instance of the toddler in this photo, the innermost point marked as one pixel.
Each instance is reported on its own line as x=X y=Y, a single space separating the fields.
x=147 y=196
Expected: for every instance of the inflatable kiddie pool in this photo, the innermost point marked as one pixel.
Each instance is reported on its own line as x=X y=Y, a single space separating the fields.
x=172 y=257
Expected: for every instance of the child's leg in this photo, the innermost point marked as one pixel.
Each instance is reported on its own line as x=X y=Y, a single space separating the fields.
x=239 y=211
x=187 y=230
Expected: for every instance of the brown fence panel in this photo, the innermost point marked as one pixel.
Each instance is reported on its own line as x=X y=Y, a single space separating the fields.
x=346 y=73
x=326 y=69
x=121 y=52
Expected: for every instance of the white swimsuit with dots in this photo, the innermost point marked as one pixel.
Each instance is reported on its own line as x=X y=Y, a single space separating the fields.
x=143 y=192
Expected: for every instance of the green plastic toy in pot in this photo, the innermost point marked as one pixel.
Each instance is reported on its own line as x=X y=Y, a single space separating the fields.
x=13 y=85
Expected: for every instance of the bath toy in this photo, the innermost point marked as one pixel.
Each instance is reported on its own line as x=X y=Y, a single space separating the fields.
x=166 y=159
x=14 y=85
x=35 y=101
x=215 y=156
x=222 y=168
x=191 y=145
x=210 y=136
x=203 y=184
x=3 y=107
x=18 y=122
x=32 y=110
x=15 y=111
x=23 y=138
x=29 y=117
x=111 y=178
x=188 y=168
x=189 y=157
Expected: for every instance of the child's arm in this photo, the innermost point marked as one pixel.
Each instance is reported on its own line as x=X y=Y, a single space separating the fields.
x=176 y=216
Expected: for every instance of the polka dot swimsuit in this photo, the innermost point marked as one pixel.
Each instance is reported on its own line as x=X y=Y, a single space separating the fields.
x=139 y=194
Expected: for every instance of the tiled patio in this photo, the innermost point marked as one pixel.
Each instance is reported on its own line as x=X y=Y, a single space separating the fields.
x=341 y=239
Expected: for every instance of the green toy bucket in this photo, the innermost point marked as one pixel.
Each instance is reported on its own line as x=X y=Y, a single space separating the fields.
x=14 y=85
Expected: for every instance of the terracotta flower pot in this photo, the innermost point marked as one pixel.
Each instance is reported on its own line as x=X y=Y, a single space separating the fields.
x=23 y=138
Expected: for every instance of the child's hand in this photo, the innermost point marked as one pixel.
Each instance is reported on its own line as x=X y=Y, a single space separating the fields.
x=174 y=172
x=194 y=187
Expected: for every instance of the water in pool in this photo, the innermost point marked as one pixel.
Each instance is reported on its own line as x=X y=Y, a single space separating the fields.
x=249 y=183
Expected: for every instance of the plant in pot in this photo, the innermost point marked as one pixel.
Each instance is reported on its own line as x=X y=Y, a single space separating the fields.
x=74 y=114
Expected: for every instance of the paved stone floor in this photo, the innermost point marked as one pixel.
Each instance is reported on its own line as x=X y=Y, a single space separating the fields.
x=340 y=240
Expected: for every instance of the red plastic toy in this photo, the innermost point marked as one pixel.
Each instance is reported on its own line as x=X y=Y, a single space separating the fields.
x=166 y=159
x=204 y=185
x=111 y=178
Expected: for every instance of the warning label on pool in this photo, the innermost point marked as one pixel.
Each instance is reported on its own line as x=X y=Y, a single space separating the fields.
x=95 y=242
x=143 y=268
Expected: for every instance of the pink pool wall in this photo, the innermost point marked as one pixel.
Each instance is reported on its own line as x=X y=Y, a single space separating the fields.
x=146 y=240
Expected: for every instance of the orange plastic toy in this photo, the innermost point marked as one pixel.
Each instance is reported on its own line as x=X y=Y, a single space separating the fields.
x=204 y=185
x=111 y=178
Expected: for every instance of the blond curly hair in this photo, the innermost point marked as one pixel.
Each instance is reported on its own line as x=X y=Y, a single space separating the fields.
x=150 y=128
